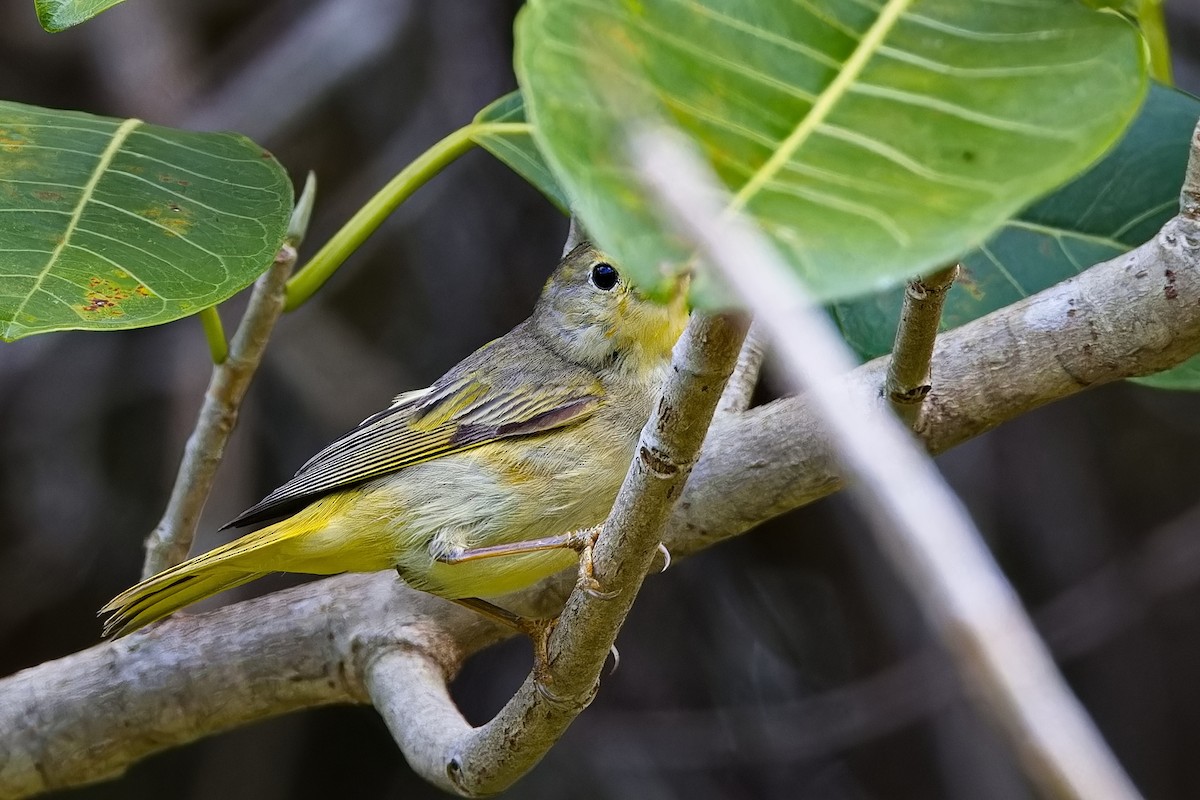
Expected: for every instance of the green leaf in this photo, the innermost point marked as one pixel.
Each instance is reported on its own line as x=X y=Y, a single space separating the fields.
x=110 y=224
x=1115 y=206
x=1181 y=377
x=58 y=15
x=869 y=140
x=511 y=141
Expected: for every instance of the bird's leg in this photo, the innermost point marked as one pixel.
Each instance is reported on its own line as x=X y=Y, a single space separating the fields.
x=462 y=554
x=581 y=541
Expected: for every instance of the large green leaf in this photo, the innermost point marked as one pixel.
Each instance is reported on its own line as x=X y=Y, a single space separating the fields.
x=1183 y=377
x=870 y=140
x=108 y=223
x=1115 y=206
x=58 y=15
x=502 y=130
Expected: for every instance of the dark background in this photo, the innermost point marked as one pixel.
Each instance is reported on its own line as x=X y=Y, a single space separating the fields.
x=789 y=663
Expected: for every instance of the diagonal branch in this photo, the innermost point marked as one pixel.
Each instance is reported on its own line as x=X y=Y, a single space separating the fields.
x=918 y=521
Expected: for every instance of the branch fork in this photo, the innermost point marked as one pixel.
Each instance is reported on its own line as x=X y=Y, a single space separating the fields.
x=488 y=759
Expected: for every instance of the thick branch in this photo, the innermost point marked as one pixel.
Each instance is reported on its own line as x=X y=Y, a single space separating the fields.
x=194 y=675
x=486 y=760
x=88 y=716
x=1134 y=315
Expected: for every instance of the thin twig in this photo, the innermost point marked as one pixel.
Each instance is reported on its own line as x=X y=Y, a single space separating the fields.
x=919 y=523
x=740 y=389
x=908 y=379
x=490 y=758
x=168 y=544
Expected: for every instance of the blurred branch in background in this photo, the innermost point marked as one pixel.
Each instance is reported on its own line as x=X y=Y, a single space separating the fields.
x=294 y=70
x=917 y=519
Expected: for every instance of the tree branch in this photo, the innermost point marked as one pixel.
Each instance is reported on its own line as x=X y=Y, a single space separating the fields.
x=908 y=377
x=168 y=544
x=740 y=388
x=86 y=717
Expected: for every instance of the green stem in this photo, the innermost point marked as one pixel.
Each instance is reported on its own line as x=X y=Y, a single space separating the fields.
x=1154 y=28
x=321 y=266
x=214 y=332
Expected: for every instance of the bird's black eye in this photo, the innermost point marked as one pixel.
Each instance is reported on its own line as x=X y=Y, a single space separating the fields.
x=604 y=276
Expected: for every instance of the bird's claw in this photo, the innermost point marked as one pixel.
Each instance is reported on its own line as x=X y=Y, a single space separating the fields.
x=662 y=548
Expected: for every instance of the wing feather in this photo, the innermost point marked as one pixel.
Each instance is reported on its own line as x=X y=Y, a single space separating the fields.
x=459 y=413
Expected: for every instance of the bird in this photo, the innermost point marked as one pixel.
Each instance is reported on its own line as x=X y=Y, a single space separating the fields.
x=479 y=485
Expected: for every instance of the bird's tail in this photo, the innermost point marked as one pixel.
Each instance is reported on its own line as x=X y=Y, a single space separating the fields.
x=166 y=593
x=240 y=561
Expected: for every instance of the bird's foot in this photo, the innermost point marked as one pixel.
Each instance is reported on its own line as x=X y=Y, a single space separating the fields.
x=584 y=542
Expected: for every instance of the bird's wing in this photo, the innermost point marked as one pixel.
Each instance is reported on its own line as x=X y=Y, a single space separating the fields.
x=460 y=412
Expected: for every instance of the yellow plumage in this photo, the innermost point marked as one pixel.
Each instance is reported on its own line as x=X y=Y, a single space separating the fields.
x=529 y=437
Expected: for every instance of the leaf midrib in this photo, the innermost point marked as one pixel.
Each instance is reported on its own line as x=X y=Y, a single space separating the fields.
x=870 y=44
x=110 y=152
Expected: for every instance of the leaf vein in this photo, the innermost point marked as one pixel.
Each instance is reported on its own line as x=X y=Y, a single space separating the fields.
x=869 y=213
x=903 y=160
x=824 y=104
x=811 y=53
x=174 y=234
x=952 y=70
x=983 y=248
x=981 y=36
x=961 y=112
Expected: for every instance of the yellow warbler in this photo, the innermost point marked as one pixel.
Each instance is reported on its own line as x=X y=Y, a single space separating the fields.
x=526 y=439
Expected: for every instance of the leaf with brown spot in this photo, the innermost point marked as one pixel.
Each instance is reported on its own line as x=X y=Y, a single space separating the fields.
x=100 y=229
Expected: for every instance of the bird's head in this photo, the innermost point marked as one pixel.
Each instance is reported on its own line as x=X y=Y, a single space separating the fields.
x=595 y=317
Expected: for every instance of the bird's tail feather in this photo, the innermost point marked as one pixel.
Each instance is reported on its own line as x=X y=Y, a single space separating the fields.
x=225 y=567
x=155 y=598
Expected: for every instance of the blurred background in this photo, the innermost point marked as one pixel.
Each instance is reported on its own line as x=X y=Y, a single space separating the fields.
x=787 y=664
